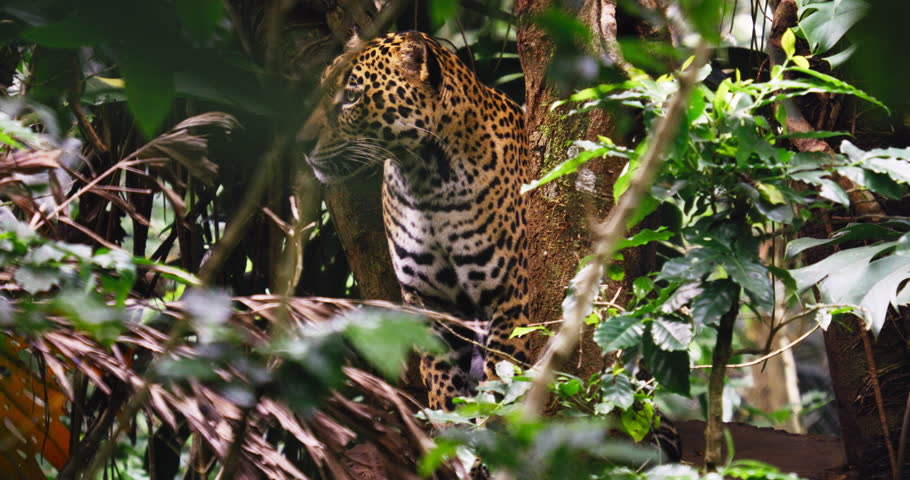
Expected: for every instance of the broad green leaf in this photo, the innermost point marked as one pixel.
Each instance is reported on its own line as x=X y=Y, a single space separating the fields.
x=74 y=32
x=843 y=263
x=150 y=91
x=617 y=389
x=879 y=183
x=385 y=338
x=670 y=369
x=694 y=265
x=872 y=286
x=753 y=277
x=671 y=336
x=903 y=245
x=200 y=17
x=716 y=299
x=617 y=333
x=829 y=188
x=825 y=23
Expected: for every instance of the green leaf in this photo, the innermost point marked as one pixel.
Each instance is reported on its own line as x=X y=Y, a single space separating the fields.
x=833 y=85
x=671 y=336
x=642 y=286
x=619 y=332
x=591 y=151
x=522 y=331
x=644 y=237
x=74 y=32
x=442 y=10
x=149 y=89
x=716 y=299
x=788 y=43
x=800 y=61
x=843 y=262
x=637 y=422
x=771 y=193
x=432 y=460
x=200 y=17
x=569 y=388
x=617 y=390
x=753 y=277
x=706 y=16
x=385 y=338
x=825 y=23
x=670 y=369
x=36 y=279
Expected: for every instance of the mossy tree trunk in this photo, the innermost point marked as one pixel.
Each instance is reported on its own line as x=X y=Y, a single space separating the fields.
x=560 y=212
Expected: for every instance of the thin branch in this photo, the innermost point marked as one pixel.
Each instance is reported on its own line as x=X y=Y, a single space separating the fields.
x=768 y=356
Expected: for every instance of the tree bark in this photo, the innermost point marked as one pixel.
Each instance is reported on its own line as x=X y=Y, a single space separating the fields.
x=869 y=375
x=559 y=212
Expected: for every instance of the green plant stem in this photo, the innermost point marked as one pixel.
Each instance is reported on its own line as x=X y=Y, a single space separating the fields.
x=714 y=434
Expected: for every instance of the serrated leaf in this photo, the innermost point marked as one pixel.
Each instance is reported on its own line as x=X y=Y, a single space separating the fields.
x=619 y=332
x=671 y=336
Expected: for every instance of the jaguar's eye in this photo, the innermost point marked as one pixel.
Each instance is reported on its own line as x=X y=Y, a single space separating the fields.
x=351 y=95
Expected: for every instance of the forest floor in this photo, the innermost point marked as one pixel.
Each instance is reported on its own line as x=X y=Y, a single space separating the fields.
x=815 y=457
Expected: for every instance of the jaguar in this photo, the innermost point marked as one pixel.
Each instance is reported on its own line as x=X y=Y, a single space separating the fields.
x=453 y=158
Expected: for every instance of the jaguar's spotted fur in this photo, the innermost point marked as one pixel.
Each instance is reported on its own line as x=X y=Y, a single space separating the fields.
x=453 y=153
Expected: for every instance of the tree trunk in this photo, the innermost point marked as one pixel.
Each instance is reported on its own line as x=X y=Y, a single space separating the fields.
x=869 y=375
x=559 y=212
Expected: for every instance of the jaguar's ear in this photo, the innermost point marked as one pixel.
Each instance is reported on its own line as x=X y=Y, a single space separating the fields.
x=418 y=59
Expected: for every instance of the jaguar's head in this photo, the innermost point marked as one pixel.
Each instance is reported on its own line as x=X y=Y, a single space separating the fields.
x=383 y=100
